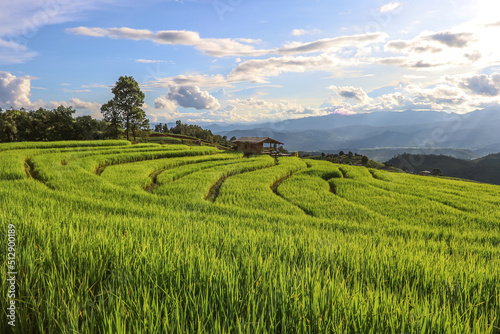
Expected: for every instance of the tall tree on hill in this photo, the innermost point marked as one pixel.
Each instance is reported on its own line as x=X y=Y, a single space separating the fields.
x=125 y=107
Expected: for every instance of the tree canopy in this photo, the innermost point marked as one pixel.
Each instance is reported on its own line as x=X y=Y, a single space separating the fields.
x=49 y=125
x=125 y=108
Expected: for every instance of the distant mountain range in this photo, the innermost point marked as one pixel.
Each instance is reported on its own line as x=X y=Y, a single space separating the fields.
x=486 y=169
x=477 y=132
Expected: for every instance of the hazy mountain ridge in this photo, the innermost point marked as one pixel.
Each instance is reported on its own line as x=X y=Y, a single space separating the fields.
x=421 y=129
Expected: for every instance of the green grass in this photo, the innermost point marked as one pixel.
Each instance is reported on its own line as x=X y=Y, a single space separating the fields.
x=223 y=244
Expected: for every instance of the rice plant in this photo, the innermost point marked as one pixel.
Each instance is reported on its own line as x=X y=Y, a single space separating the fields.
x=224 y=243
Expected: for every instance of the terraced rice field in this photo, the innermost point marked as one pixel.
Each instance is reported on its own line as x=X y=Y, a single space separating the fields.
x=120 y=238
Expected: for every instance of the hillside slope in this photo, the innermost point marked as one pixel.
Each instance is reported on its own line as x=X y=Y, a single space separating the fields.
x=485 y=169
x=118 y=238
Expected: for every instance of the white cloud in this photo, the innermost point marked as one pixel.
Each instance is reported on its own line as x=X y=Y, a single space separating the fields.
x=12 y=52
x=73 y=102
x=431 y=42
x=216 y=47
x=459 y=94
x=221 y=47
x=165 y=104
x=302 y=32
x=200 y=80
x=390 y=7
x=257 y=70
x=349 y=92
x=479 y=84
x=298 y=32
x=252 y=109
x=150 y=61
x=452 y=40
x=332 y=44
x=14 y=91
x=192 y=97
x=468 y=47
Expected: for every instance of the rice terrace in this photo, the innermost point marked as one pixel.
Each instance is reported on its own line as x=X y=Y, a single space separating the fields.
x=145 y=238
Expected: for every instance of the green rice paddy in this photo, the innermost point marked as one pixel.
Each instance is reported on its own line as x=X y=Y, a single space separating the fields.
x=149 y=238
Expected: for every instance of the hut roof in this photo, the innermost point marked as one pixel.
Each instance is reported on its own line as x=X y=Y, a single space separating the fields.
x=257 y=140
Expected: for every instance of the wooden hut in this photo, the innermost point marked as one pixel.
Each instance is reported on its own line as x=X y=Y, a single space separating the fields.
x=255 y=145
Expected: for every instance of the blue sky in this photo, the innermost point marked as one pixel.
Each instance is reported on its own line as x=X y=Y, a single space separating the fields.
x=252 y=61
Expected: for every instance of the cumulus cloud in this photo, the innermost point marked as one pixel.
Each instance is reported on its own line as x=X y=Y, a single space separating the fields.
x=452 y=40
x=440 y=97
x=14 y=91
x=349 y=92
x=164 y=103
x=480 y=84
x=457 y=94
x=192 y=97
x=437 y=49
x=460 y=94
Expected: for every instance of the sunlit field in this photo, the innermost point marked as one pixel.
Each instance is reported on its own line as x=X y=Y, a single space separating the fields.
x=119 y=238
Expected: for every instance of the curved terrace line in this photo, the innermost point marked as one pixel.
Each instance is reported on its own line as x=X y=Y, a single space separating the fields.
x=274 y=189
x=100 y=169
x=31 y=172
x=213 y=193
x=154 y=175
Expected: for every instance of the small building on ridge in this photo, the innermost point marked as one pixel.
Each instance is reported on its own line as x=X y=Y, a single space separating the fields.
x=255 y=145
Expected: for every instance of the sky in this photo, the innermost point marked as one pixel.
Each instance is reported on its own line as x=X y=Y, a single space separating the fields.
x=246 y=61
